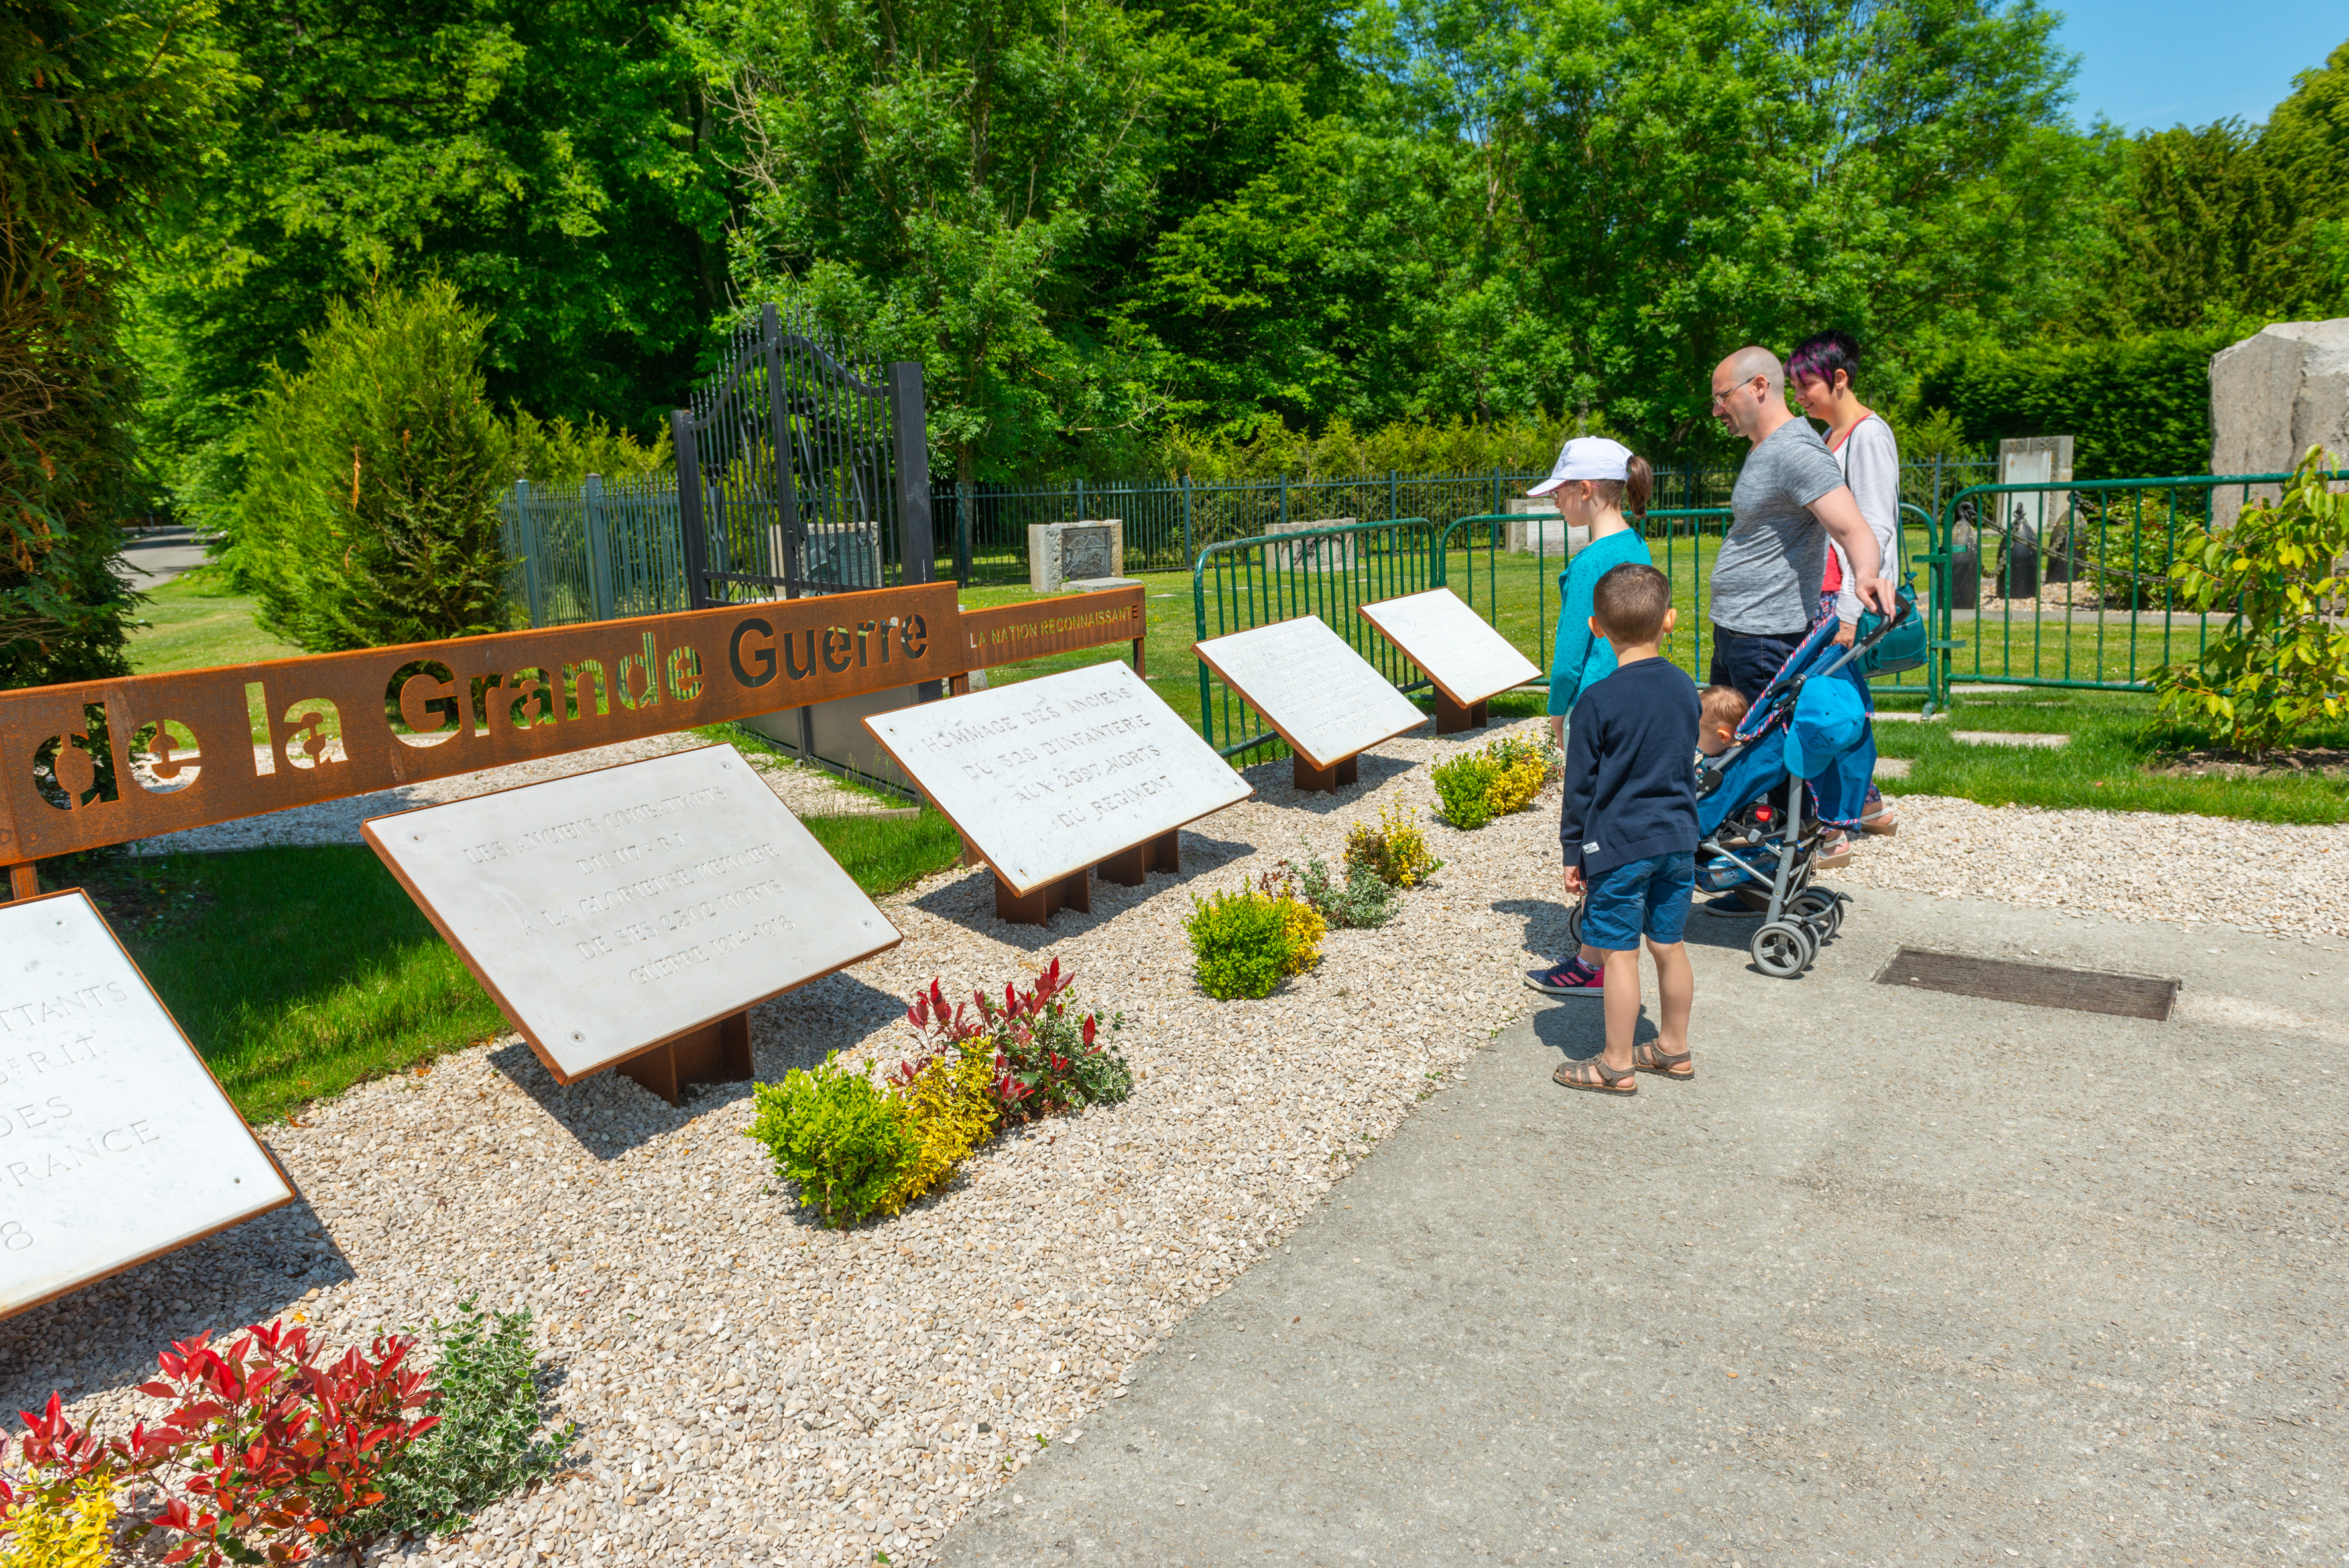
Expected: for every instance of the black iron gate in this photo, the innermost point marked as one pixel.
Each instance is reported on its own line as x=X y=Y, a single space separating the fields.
x=797 y=475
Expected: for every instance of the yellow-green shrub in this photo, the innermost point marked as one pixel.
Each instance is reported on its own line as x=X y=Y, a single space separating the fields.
x=1395 y=851
x=60 y=1527
x=1495 y=779
x=945 y=1106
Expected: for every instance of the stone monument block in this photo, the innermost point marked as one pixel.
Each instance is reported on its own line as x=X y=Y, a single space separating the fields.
x=1536 y=527
x=1059 y=554
x=1332 y=553
x=2272 y=396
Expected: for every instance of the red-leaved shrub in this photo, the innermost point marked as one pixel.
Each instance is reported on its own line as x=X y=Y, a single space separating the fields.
x=1049 y=1056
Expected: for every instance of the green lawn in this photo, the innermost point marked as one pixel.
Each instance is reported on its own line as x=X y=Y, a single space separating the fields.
x=197 y=621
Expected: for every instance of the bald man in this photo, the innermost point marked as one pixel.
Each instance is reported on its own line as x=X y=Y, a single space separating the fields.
x=1790 y=499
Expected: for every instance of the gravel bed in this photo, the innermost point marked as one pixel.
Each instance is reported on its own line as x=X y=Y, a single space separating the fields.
x=2265 y=877
x=750 y=1388
x=810 y=791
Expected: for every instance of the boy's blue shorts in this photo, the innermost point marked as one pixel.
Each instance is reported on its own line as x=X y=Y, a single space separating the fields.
x=1647 y=897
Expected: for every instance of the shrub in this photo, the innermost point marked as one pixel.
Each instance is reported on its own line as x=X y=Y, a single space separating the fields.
x=1243 y=943
x=2281 y=663
x=67 y=1525
x=1046 y=1056
x=835 y=1137
x=1495 y=779
x=1361 y=900
x=947 y=1101
x=493 y=1440
x=1395 y=851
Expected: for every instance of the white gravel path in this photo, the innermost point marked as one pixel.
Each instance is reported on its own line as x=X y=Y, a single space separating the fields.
x=754 y=1390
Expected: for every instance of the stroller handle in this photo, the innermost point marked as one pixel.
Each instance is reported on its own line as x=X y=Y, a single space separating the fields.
x=1901 y=611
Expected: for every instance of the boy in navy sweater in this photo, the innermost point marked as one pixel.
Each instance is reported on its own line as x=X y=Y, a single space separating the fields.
x=1629 y=830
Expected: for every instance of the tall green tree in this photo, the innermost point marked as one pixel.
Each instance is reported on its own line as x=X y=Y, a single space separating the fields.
x=105 y=111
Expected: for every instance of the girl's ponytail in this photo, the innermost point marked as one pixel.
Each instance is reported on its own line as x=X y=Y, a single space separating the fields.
x=1638 y=483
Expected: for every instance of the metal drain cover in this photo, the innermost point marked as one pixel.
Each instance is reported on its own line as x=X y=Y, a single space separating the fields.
x=2033 y=984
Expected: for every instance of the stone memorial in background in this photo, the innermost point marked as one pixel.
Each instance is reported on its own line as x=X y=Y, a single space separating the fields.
x=116 y=1143
x=632 y=916
x=1536 y=527
x=1049 y=779
x=1467 y=661
x=1062 y=554
x=1326 y=700
x=1331 y=552
x=2272 y=396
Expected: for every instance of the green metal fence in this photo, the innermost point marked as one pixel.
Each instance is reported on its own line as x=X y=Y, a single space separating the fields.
x=2067 y=584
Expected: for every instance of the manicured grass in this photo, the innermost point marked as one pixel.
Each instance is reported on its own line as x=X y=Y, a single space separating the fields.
x=197 y=621
x=2103 y=767
x=887 y=853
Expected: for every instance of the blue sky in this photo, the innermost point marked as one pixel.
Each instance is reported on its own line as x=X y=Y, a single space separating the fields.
x=2152 y=63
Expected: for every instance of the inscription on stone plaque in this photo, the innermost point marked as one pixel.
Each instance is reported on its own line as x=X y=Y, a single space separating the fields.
x=1085 y=551
x=1324 y=698
x=1458 y=649
x=610 y=911
x=1053 y=775
x=115 y=1142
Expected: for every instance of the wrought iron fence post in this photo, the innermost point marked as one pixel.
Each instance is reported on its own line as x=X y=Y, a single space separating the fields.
x=1391 y=485
x=528 y=535
x=1284 y=502
x=1079 y=486
x=962 y=535
x=1190 y=555
x=689 y=508
x=599 y=548
x=910 y=435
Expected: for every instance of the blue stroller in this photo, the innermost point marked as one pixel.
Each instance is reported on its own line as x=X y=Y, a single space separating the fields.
x=1806 y=736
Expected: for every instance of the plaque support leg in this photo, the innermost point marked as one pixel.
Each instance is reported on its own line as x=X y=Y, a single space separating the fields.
x=1323 y=779
x=1452 y=717
x=714 y=1053
x=23 y=882
x=1074 y=892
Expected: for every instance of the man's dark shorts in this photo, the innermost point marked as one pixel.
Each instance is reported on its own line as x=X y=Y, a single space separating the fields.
x=1745 y=661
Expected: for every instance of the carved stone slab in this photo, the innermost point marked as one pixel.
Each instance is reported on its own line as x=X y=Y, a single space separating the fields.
x=116 y=1143
x=1057 y=774
x=1324 y=698
x=610 y=910
x=1460 y=652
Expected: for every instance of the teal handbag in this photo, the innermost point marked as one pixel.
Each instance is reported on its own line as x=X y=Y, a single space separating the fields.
x=1901 y=648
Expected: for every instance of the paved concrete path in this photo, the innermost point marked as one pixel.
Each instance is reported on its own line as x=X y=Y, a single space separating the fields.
x=156 y=557
x=1902 y=1278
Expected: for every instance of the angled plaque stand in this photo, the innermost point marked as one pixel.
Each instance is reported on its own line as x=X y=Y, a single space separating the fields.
x=120 y=1144
x=632 y=916
x=1050 y=779
x=1325 y=699
x=1465 y=660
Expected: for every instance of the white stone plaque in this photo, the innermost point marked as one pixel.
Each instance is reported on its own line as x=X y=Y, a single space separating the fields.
x=1324 y=698
x=116 y=1143
x=610 y=910
x=1058 y=773
x=1460 y=652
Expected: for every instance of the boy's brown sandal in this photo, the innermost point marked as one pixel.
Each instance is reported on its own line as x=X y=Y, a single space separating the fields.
x=1647 y=1057
x=1594 y=1076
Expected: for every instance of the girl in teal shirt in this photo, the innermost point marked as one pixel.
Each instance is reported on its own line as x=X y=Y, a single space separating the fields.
x=1592 y=481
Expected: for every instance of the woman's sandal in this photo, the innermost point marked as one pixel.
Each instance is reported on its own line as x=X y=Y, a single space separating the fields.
x=1597 y=1077
x=1879 y=818
x=1649 y=1057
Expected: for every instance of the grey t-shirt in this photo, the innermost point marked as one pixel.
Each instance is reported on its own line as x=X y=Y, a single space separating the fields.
x=1766 y=577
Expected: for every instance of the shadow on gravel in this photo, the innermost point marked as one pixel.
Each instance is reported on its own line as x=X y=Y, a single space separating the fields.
x=1577 y=1029
x=1276 y=783
x=107 y=1335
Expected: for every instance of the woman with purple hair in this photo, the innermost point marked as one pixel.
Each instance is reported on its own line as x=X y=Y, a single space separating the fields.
x=1820 y=372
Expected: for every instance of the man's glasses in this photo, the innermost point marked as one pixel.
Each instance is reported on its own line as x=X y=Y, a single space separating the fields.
x=1725 y=392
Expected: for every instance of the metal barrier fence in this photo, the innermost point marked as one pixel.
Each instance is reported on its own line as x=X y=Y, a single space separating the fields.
x=1324 y=572
x=2068 y=584
x=596 y=550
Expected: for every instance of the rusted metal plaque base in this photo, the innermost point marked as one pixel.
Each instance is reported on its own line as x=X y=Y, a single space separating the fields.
x=1127 y=868
x=714 y=1053
x=2031 y=984
x=1323 y=779
x=1074 y=892
x=1451 y=719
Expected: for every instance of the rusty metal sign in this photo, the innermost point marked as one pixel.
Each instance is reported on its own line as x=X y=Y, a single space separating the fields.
x=103 y=762
x=1010 y=633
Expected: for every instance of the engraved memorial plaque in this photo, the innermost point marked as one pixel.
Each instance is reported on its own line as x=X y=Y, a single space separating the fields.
x=610 y=911
x=1051 y=776
x=116 y=1143
x=1460 y=652
x=1084 y=552
x=1324 y=698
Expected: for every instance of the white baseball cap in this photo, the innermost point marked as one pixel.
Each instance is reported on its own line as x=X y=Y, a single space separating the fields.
x=1586 y=457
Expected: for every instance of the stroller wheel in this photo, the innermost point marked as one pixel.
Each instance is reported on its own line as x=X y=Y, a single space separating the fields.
x=1574 y=925
x=1781 y=949
x=1821 y=908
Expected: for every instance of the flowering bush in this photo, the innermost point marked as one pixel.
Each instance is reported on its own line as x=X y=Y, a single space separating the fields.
x=1495 y=779
x=1395 y=851
x=277 y=1447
